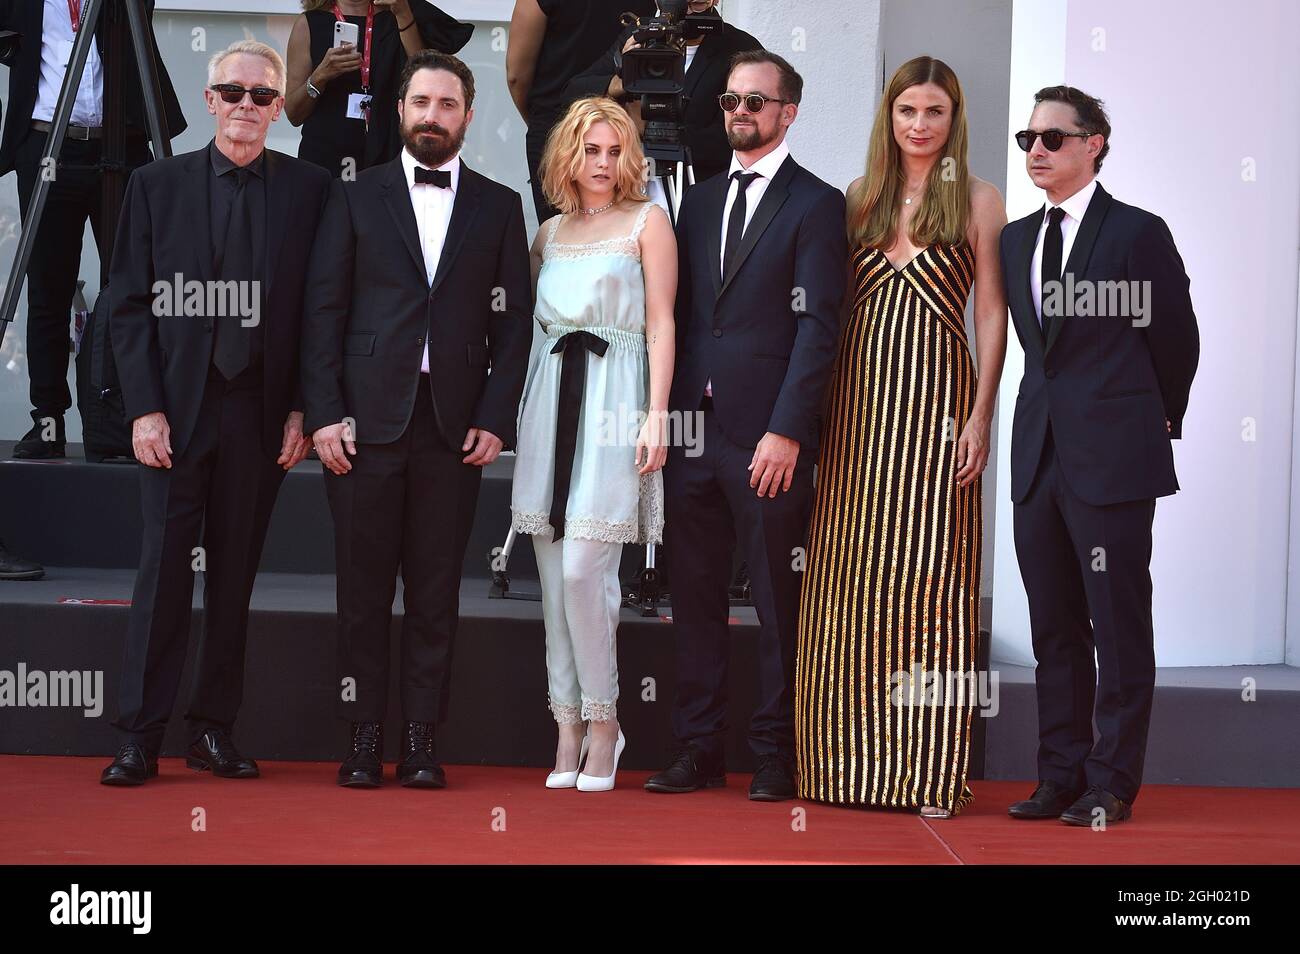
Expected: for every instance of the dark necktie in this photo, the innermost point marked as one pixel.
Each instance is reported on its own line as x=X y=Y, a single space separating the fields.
x=736 y=223
x=1051 y=268
x=231 y=350
x=434 y=177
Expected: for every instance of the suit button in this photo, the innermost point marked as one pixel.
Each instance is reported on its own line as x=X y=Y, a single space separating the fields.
x=1050 y=374
x=419 y=341
x=717 y=332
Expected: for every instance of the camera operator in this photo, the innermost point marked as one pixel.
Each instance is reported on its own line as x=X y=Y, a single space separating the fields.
x=47 y=31
x=550 y=42
x=707 y=59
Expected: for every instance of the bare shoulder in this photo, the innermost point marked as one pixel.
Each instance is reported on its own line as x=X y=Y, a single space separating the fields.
x=658 y=229
x=985 y=199
x=856 y=187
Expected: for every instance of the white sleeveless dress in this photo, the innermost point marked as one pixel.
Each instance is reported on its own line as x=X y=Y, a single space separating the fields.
x=595 y=287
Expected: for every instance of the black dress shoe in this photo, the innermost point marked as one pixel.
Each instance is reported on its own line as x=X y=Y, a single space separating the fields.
x=419 y=766
x=773 y=779
x=364 y=766
x=1048 y=801
x=1083 y=811
x=129 y=767
x=16 y=568
x=688 y=771
x=34 y=446
x=213 y=751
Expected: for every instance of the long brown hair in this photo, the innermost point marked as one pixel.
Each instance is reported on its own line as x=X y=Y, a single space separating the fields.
x=944 y=211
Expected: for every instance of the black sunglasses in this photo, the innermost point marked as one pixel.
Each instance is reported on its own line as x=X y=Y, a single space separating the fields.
x=754 y=102
x=1053 y=139
x=232 y=93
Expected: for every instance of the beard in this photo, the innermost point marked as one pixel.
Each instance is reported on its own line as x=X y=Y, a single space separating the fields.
x=434 y=151
x=748 y=139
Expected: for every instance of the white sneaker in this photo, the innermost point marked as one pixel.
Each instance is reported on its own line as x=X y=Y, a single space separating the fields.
x=569 y=779
x=591 y=783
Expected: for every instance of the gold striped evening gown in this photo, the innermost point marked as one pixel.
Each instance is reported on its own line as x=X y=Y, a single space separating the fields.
x=893 y=564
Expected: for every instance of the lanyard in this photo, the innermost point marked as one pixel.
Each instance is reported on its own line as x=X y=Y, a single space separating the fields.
x=365 y=57
x=74 y=11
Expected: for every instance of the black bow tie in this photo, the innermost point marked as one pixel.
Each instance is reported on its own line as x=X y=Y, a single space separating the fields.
x=436 y=177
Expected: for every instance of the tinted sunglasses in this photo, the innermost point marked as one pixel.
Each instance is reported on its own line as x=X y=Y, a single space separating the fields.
x=1053 y=139
x=231 y=93
x=754 y=102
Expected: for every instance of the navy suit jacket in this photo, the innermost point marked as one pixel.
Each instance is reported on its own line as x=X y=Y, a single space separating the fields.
x=1106 y=384
x=765 y=333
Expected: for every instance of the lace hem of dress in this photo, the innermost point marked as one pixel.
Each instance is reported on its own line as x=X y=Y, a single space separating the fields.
x=593 y=711
x=585 y=528
x=565 y=714
x=590 y=711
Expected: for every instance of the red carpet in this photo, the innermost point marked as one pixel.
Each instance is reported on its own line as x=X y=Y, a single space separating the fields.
x=54 y=811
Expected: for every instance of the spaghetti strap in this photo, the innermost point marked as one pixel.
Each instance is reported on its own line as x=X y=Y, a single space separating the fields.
x=552 y=226
x=640 y=220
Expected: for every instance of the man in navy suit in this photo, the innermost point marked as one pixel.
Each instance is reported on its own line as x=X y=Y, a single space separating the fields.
x=762 y=254
x=1103 y=393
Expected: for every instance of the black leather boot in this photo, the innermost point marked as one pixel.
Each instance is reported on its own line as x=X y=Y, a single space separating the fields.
x=419 y=766
x=364 y=766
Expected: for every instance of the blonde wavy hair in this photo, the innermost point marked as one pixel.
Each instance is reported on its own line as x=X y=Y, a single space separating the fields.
x=944 y=211
x=563 y=157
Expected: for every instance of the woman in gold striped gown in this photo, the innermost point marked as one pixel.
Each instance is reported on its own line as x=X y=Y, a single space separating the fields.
x=889 y=614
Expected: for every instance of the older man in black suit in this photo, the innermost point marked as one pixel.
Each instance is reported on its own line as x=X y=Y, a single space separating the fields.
x=207 y=302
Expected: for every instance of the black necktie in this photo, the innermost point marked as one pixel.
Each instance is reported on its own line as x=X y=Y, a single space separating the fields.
x=1051 y=268
x=736 y=223
x=435 y=177
x=230 y=350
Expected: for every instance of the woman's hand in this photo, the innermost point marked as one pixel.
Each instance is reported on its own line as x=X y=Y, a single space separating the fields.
x=973 y=449
x=652 y=443
x=338 y=60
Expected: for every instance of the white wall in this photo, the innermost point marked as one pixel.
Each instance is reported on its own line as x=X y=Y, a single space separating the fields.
x=1196 y=91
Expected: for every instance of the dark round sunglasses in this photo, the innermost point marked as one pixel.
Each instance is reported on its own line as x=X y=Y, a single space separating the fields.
x=232 y=93
x=1053 y=139
x=754 y=102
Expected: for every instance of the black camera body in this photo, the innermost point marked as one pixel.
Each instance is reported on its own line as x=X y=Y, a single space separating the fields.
x=656 y=71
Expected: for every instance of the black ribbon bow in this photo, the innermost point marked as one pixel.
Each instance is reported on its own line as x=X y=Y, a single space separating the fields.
x=573 y=380
x=436 y=177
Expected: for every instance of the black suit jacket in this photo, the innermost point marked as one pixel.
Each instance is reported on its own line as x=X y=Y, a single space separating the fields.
x=27 y=17
x=706 y=79
x=371 y=309
x=165 y=232
x=766 y=334
x=1106 y=386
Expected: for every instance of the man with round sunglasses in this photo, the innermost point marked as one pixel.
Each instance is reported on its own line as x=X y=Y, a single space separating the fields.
x=207 y=285
x=1103 y=395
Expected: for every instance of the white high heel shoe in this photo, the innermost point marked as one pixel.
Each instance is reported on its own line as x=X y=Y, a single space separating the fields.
x=569 y=779
x=592 y=783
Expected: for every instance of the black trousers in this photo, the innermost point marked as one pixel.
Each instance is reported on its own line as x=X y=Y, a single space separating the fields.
x=710 y=507
x=1086 y=571
x=74 y=197
x=219 y=494
x=406 y=506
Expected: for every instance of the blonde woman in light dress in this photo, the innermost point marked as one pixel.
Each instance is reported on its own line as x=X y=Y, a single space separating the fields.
x=592 y=429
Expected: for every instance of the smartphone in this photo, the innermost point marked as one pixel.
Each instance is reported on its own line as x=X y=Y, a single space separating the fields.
x=346 y=33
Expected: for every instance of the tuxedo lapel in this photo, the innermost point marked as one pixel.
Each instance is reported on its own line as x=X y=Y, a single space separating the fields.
x=279 y=202
x=773 y=198
x=1022 y=305
x=712 y=219
x=397 y=197
x=1081 y=250
x=463 y=209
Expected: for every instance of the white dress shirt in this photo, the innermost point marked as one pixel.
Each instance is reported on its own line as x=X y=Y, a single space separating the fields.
x=432 y=207
x=56 y=53
x=766 y=169
x=1075 y=206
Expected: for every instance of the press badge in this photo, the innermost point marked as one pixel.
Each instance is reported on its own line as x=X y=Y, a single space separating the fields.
x=358 y=105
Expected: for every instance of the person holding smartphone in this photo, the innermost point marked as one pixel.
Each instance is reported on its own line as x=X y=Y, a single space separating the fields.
x=344 y=60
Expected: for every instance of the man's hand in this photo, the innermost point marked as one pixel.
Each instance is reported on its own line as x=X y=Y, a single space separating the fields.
x=295 y=445
x=151 y=439
x=772 y=467
x=486 y=446
x=330 y=443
